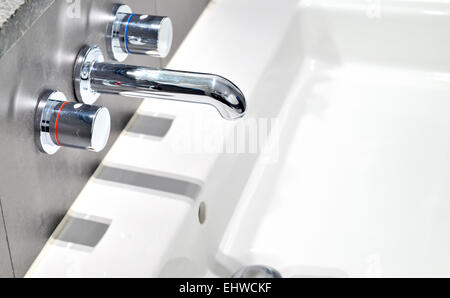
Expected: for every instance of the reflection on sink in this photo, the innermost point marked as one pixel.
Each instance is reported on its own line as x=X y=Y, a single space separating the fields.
x=358 y=184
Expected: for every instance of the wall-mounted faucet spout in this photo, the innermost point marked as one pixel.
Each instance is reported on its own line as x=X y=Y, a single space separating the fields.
x=94 y=77
x=142 y=82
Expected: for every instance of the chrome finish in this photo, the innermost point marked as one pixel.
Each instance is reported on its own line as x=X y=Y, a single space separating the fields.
x=145 y=82
x=114 y=40
x=83 y=67
x=46 y=105
x=131 y=33
x=60 y=123
x=257 y=271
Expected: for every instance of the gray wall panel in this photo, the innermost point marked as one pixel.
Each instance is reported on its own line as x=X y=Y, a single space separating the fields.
x=6 y=269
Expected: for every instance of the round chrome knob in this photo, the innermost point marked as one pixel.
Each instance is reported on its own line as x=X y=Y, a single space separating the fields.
x=148 y=35
x=139 y=34
x=70 y=124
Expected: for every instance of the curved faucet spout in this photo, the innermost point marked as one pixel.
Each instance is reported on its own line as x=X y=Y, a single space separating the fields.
x=145 y=82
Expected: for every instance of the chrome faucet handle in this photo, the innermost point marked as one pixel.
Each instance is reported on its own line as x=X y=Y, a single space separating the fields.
x=93 y=77
x=131 y=33
x=60 y=123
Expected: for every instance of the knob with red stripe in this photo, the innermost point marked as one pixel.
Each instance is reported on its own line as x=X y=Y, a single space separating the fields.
x=61 y=123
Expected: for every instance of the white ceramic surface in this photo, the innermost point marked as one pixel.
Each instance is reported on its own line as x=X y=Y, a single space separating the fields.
x=359 y=185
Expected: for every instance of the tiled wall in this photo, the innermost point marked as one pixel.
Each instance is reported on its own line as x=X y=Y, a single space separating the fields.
x=36 y=190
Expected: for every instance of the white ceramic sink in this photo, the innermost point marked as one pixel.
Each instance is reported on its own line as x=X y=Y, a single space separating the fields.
x=357 y=184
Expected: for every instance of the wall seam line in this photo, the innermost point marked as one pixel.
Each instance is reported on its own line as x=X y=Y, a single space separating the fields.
x=7 y=238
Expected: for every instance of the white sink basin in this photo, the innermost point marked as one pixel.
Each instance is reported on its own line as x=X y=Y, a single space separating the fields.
x=357 y=185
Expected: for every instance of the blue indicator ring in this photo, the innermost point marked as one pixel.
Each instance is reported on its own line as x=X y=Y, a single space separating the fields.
x=126 y=33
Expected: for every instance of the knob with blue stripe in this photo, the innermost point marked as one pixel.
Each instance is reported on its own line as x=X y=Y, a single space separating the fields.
x=139 y=34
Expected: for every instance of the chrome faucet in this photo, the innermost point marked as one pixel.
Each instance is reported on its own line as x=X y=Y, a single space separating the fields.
x=93 y=77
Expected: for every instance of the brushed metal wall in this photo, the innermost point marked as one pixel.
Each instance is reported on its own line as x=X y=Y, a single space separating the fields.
x=36 y=190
